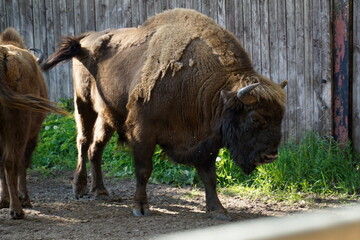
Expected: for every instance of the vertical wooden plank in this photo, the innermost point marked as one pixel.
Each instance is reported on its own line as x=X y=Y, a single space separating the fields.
x=77 y=16
x=196 y=5
x=341 y=30
x=135 y=13
x=213 y=10
x=70 y=31
x=282 y=62
x=172 y=4
x=88 y=15
x=142 y=11
x=239 y=21
x=264 y=35
x=52 y=79
x=64 y=80
x=181 y=3
x=112 y=13
x=39 y=28
x=25 y=22
x=158 y=6
x=70 y=17
x=150 y=8
x=189 y=4
x=317 y=58
x=40 y=38
x=291 y=68
x=230 y=16
x=101 y=15
x=356 y=78
x=326 y=69
x=3 y=20
x=57 y=36
x=273 y=42
x=221 y=13
x=247 y=27
x=205 y=7
x=308 y=67
x=300 y=67
x=15 y=15
x=126 y=13
x=9 y=13
x=256 y=36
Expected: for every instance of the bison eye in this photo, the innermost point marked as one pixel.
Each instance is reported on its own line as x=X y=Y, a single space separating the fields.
x=254 y=119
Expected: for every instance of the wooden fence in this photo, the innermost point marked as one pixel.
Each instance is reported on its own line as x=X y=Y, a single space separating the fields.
x=286 y=39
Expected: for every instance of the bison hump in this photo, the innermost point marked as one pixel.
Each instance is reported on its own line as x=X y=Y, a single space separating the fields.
x=173 y=31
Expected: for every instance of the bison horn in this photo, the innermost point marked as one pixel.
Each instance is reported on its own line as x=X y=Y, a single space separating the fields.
x=283 y=84
x=40 y=53
x=245 y=90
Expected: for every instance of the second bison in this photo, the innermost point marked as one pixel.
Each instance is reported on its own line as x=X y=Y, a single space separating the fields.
x=23 y=107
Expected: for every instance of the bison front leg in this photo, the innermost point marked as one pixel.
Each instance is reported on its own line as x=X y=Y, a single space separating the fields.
x=102 y=134
x=85 y=119
x=143 y=167
x=213 y=204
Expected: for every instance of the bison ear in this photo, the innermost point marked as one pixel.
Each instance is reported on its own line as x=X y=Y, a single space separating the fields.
x=283 y=84
x=226 y=96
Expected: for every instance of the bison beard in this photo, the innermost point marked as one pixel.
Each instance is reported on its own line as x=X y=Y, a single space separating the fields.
x=179 y=81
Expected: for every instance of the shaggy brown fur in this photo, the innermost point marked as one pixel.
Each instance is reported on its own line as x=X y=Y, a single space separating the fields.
x=23 y=106
x=177 y=81
x=173 y=31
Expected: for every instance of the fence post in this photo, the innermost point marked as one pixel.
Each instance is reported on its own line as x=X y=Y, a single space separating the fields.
x=341 y=69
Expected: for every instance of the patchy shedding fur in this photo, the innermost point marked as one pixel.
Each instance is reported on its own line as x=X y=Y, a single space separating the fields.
x=173 y=32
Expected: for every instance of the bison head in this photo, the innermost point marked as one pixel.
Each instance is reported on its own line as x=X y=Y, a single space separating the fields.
x=251 y=126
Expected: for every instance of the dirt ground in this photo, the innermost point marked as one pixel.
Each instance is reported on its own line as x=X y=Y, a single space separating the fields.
x=57 y=215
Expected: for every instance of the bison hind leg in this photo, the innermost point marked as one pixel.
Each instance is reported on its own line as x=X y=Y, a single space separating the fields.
x=4 y=194
x=102 y=133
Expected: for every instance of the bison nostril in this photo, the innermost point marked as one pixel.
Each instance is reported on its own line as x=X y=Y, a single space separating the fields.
x=270 y=157
x=274 y=153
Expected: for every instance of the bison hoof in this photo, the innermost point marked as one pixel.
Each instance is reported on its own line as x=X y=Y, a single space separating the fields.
x=4 y=204
x=79 y=190
x=140 y=211
x=25 y=202
x=101 y=194
x=219 y=216
x=17 y=214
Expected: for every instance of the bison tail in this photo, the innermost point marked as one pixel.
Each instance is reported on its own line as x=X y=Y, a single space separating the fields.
x=69 y=47
x=28 y=102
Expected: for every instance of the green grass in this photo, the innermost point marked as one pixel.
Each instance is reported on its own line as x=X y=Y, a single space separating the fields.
x=315 y=165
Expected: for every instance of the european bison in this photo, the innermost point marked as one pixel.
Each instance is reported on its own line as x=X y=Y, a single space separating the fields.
x=23 y=106
x=179 y=81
